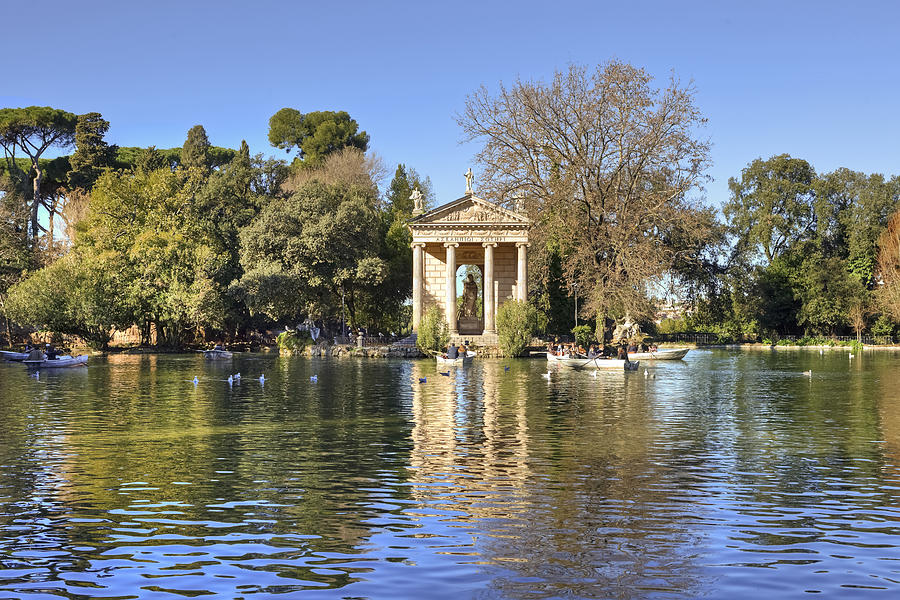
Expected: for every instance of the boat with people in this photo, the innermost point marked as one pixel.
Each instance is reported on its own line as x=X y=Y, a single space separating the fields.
x=217 y=353
x=13 y=356
x=443 y=359
x=58 y=362
x=600 y=362
x=664 y=354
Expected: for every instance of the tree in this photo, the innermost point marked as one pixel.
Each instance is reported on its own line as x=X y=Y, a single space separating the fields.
x=604 y=160
x=888 y=294
x=772 y=206
x=434 y=333
x=73 y=296
x=315 y=135
x=286 y=129
x=152 y=225
x=303 y=255
x=196 y=150
x=92 y=154
x=34 y=130
x=517 y=323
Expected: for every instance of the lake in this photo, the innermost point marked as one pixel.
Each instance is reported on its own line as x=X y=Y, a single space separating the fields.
x=726 y=475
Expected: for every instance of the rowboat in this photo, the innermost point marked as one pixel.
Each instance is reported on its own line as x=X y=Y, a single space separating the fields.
x=217 y=354
x=667 y=354
x=460 y=360
x=593 y=363
x=58 y=362
x=16 y=356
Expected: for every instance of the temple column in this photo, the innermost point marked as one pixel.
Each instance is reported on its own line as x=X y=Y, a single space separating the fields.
x=450 y=307
x=522 y=272
x=487 y=287
x=418 y=282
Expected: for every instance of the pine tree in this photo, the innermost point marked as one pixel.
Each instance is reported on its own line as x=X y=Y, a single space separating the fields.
x=92 y=154
x=195 y=152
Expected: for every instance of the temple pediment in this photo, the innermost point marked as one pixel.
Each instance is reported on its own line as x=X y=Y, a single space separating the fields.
x=470 y=210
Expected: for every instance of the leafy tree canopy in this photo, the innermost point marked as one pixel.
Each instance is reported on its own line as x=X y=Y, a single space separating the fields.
x=316 y=134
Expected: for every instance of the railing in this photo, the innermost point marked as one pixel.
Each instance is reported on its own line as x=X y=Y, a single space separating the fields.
x=715 y=338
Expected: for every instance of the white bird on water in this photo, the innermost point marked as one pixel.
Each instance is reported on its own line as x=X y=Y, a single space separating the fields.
x=262 y=379
x=851 y=356
x=237 y=376
x=547 y=375
x=196 y=380
x=808 y=373
x=230 y=379
x=594 y=373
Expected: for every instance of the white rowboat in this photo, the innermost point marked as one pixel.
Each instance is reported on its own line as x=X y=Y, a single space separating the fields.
x=666 y=354
x=217 y=354
x=593 y=363
x=59 y=362
x=16 y=356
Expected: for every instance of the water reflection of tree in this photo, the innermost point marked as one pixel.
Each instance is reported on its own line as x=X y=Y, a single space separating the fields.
x=557 y=488
x=299 y=468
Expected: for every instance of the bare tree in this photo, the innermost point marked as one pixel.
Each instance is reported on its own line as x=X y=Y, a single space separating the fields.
x=606 y=164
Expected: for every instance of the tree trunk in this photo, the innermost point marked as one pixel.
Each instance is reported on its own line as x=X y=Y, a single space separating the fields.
x=36 y=202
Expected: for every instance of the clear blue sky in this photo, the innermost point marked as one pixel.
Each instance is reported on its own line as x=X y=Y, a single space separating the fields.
x=817 y=79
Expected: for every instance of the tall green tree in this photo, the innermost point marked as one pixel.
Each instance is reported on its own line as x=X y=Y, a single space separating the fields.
x=92 y=154
x=772 y=206
x=196 y=150
x=315 y=135
x=34 y=130
x=303 y=255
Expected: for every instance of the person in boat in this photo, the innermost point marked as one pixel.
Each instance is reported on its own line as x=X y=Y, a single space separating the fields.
x=218 y=348
x=592 y=352
x=51 y=352
x=35 y=354
x=452 y=352
x=462 y=350
x=622 y=353
x=632 y=347
x=653 y=348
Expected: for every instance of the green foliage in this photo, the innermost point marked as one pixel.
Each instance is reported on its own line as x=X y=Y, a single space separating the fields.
x=92 y=154
x=286 y=130
x=827 y=292
x=679 y=325
x=73 y=296
x=302 y=254
x=434 y=333
x=517 y=323
x=315 y=135
x=293 y=342
x=195 y=153
x=883 y=326
x=584 y=335
x=772 y=205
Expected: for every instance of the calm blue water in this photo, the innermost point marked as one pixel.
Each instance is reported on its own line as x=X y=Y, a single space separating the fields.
x=726 y=475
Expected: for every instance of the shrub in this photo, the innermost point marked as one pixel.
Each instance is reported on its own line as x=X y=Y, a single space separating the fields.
x=434 y=333
x=517 y=322
x=293 y=342
x=883 y=326
x=584 y=335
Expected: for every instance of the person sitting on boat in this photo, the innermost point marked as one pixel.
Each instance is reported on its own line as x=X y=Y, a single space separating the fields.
x=632 y=347
x=35 y=354
x=462 y=350
x=592 y=352
x=452 y=352
x=622 y=353
x=653 y=348
x=51 y=352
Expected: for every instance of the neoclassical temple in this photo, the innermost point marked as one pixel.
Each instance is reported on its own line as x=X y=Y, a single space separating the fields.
x=468 y=231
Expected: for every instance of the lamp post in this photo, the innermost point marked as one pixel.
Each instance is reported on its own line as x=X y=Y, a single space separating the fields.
x=343 y=318
x=575 y=287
